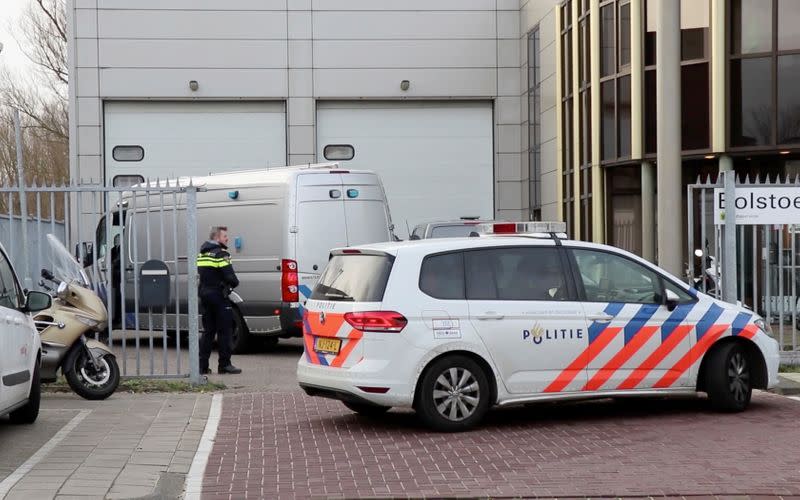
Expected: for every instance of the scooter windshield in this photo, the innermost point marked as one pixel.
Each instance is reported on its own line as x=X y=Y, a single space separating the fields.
x=65 y=267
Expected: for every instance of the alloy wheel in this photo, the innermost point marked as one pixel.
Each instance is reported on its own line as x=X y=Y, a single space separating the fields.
x=456 y=394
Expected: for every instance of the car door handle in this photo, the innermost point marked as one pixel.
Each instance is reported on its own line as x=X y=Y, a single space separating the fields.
x=490 y=315
x=601 y=318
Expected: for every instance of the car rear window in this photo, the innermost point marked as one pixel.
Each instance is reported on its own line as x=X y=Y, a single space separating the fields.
x=456 y=231
x=354 y=278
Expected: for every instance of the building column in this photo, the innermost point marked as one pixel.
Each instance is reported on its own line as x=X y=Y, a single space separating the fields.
x=718 y=59
x=637 y=79
x=668 y=98
x=559 y=125
x=598 y=184
x=648 y=212
x=725 y=163
x=577 y=218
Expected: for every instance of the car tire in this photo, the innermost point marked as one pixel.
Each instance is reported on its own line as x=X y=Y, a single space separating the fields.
x=728 y=378
x=240 y=337
x=453 y=394
x=366 y=409
x=30 y=412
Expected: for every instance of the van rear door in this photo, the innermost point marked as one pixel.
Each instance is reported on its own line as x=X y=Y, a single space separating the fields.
x=320 y=223
x=365 y=209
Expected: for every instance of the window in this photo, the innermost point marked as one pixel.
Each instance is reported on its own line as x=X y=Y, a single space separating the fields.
x=650 y=116
x=624 y=34
x=788 y=99
x=683 y=295
x=442 y=276
x=339 y=152
x=607 y=35
x=608 y=277
x=788 y=21
x=751 y=30
x=607 y=112
x=515 y=274
x=693 y=44
x=354 y=278
x=751 y=102
x=695 y=120
x=624 y=116
x=10 y=295
x=128 y=153
x=127 y=180
x=534 y=126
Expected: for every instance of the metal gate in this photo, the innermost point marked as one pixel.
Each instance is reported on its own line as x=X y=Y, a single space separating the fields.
x=113 y=231
x=766 y=270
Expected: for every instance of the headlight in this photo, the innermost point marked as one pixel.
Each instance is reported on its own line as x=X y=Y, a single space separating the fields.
x=87 y=321
x=763 y=325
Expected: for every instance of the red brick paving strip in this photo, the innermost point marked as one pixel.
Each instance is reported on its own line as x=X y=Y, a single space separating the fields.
x=289 y=445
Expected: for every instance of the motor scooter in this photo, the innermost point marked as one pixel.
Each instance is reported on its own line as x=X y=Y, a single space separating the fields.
x=66 y=328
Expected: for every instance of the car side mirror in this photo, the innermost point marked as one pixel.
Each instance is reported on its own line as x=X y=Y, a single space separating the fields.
x=37 y=301
x=87 y=251
x=672 y=300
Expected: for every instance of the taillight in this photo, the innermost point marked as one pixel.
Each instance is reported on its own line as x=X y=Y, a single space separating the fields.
x=289 y=281
x=377 y=321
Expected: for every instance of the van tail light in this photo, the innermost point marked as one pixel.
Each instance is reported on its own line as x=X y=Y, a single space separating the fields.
x=290 y=291
x=377 y=321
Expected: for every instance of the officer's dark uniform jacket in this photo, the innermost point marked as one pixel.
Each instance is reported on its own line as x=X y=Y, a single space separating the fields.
x=215 y=269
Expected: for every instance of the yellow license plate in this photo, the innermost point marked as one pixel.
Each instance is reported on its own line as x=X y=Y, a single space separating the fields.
x=327 y=345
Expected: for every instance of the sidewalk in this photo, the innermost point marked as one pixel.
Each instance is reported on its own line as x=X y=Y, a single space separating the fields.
x=789 y=384
x=129 y=446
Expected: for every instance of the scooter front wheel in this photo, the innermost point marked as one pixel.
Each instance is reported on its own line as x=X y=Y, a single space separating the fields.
x=92 y=381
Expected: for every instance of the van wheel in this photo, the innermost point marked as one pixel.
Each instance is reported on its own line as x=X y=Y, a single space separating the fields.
x=453 y=394
x=30 y=412
x=241 y=336
x=366 y=409
x=728 y=378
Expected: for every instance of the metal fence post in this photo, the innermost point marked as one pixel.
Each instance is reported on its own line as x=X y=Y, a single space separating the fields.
x=23 y=202
x=729 y=280
x=191 y=273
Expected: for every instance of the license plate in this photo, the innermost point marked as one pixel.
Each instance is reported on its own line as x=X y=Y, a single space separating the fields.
x=327 y=345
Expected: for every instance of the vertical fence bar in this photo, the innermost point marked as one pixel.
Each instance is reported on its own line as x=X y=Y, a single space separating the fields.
x=780 y=295
x=149 y=309
x=78 y=225
x=67 y=233
x=135 y=245
x=11 y=225
x=191 y=274
x=767 y=273
x=108 y=217
x=703 y=237
x=23 y=200
x=163 y=258
x=728 y=266
x=690 y=234
x=756 y=303
x=40 y=241
x=176 y=274
x=123 y=255
x=740 y=237
x=53 y=214
x=793 y=277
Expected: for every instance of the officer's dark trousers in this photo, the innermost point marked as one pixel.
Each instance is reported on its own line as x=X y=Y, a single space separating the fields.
x=217 y=320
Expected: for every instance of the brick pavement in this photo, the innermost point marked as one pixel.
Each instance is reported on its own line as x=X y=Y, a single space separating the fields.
x=288 y=445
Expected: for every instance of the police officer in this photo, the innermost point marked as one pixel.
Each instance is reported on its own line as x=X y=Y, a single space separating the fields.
x=217 y=279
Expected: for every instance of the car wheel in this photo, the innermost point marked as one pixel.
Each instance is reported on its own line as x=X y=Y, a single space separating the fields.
x=453 y=394
x=366 y=409
x=240 y=338
x=728 y=378
x=30 y=412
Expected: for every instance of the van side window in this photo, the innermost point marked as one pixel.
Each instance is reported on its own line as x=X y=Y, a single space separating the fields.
x=533 y=273
x=442 y=276
x=613 y=278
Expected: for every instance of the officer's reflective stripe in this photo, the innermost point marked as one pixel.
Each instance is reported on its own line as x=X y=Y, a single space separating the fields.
x=218 y=264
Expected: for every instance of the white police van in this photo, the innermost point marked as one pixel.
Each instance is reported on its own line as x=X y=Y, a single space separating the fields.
x=452 y=327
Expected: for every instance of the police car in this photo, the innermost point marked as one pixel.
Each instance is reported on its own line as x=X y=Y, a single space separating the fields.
x=452 y=327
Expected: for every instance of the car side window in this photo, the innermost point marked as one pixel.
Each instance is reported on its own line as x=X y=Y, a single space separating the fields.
x=682 y=294
x=442 y=276
x=9 y=291
x=533 y=273
x=608 y=277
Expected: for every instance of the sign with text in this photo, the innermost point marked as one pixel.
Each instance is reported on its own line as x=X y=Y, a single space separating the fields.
x=760 y=205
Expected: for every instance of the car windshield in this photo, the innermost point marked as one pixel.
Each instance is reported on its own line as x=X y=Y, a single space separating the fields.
x=64 y=265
